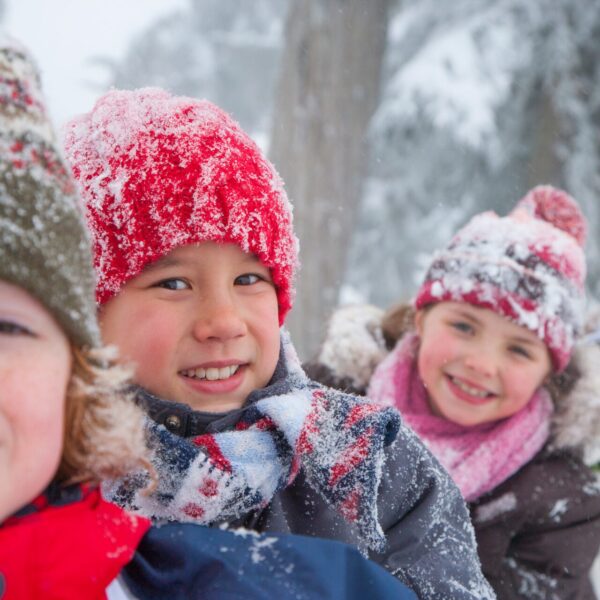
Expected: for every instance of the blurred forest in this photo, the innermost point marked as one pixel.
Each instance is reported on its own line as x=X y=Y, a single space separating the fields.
x=392 y=122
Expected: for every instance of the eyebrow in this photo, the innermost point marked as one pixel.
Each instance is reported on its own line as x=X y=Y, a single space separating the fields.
x=466 y=315
x=161 y=263
x=169 y=261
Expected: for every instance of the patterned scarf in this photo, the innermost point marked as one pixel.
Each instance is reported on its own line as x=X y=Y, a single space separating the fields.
x=337 y=440
x=478 y=458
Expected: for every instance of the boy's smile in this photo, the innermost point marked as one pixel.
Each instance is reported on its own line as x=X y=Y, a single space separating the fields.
x=477 y=366
x=200 y=326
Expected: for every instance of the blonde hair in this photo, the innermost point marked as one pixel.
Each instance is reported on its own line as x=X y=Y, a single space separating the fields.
x=104 y=431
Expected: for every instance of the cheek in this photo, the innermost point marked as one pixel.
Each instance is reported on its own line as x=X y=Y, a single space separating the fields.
x=36 y=425
x=522 y=384
x=265 y=321
x=144 y=336
x=435 y=354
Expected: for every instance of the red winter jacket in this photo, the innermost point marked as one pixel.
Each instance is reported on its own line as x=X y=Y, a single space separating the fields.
x=66 y=548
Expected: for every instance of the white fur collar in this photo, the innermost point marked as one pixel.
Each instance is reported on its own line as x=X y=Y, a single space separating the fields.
x=577 y=418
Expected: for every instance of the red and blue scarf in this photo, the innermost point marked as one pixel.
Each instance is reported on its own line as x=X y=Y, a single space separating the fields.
x=337 y=440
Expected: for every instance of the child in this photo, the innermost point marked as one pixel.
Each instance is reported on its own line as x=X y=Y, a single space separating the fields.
x=63 y=419
x=493 y=334
x=195 y=256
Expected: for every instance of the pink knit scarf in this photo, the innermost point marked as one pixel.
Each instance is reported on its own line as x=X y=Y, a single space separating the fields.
x=478 y=458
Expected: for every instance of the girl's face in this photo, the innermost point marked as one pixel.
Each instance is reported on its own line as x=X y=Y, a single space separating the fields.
x=35 y=367
x=477 y=366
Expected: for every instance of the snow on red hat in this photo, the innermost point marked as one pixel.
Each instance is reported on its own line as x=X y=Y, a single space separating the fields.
x=158 y=171
x=528 y=267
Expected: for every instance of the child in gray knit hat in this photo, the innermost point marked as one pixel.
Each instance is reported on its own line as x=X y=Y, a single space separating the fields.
x=64 y=421
x=62 y=417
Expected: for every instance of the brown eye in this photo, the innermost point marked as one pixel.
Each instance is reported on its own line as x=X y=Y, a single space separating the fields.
x=173 y=284
x=248 y=279
x=462 y=326
x=11 y=328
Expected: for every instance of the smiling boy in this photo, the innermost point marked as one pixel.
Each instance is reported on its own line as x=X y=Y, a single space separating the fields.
x=207 y=327
x=195 y=255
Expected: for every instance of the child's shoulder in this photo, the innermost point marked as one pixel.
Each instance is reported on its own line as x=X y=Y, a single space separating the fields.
x=552 y=490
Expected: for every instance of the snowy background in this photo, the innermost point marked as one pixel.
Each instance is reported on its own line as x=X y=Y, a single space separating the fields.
x=461 y=107
x=474 y=102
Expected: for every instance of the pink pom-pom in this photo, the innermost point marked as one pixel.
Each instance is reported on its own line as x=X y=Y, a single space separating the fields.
x=556 y=207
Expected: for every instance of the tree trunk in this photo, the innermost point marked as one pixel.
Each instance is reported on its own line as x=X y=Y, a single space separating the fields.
x=328 y=90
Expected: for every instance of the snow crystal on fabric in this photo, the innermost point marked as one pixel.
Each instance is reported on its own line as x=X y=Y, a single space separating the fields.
x=495 y=508
x=559 y=508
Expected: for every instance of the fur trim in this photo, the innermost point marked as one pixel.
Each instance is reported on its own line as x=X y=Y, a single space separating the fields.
x=576 y=423
x=115 y=442
x=354 y=343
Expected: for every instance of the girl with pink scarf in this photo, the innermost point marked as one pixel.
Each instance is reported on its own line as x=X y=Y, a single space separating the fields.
x=470 y=366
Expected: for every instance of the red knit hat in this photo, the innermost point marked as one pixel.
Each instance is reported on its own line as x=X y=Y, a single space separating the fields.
x=158 y=171
x=528 y=267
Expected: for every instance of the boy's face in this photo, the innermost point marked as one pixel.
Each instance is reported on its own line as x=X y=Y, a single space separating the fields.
x=477 y=366
x=35 y=367
x=200 y=325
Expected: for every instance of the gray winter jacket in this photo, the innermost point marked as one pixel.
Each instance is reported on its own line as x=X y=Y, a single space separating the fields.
x=430 y=541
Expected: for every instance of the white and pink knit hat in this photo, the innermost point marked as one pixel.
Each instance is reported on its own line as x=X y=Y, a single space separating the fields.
x=528 y=267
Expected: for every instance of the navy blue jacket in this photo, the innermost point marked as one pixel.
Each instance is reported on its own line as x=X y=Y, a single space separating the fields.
x=185 y=561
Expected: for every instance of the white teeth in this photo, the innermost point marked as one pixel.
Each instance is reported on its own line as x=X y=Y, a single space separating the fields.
x=212 y=373
x=470 y=390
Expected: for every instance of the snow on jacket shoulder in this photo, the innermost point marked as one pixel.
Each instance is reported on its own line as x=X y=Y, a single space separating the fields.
x=424 y=519
x=539 y=531
x=183 y=561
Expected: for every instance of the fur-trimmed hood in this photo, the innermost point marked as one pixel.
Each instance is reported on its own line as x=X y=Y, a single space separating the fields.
x=358 y=337
x=577 y=417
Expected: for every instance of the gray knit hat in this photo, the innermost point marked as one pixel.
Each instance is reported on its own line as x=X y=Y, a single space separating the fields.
x=44 y=246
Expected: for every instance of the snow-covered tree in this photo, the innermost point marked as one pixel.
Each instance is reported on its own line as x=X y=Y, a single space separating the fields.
x=226 y=52
x=482 y=101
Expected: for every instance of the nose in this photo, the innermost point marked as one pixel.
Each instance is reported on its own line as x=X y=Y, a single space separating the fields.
x=482 y=360
x=219 y=319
